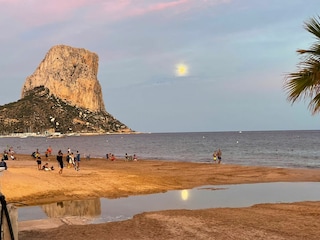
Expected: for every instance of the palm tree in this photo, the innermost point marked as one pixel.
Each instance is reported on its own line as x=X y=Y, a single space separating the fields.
x=305 y=83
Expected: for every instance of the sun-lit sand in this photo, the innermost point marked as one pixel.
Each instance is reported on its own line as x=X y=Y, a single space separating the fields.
x=22 y=182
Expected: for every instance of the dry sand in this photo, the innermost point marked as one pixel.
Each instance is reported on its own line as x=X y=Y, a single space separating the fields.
x=22 y=182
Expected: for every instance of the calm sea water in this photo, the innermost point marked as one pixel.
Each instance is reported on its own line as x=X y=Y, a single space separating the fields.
x=292 y=149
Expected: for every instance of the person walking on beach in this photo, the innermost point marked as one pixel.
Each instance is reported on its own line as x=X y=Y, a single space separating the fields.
x=219 y=155
x=60 y=161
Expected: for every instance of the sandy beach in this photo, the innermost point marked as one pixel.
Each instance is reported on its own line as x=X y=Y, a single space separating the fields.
x=22 y=182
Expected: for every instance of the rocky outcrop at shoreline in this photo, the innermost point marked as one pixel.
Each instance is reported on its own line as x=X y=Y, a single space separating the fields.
x=63 y=95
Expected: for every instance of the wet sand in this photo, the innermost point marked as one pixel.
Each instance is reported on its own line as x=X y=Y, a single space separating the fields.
x=22 y=182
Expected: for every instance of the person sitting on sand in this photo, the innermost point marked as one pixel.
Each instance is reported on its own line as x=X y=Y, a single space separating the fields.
x=3 y=164
x=12 y=157
x=5 y=155
x=47 y=168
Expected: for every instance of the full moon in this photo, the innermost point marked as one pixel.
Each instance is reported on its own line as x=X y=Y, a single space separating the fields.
x=181 y=70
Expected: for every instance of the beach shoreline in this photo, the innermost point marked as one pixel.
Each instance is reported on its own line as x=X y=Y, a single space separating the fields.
x=23 y=183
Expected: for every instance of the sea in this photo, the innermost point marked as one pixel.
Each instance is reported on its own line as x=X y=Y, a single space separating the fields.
x=288 y=149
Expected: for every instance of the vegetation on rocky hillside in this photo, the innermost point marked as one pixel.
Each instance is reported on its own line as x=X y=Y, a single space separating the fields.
x=43 y=113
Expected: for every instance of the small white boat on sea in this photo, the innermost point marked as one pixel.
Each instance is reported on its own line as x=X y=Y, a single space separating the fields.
x=56 y=135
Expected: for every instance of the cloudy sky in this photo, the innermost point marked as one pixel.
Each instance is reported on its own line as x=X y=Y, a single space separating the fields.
x=171 y=65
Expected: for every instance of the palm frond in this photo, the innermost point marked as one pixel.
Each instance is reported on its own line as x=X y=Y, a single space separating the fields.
x=313 y=26
x=314 y=105
x=305 y=83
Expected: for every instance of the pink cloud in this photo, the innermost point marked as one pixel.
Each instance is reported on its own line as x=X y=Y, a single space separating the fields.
x=158 y=7
x=39 y=12
x=115 y=10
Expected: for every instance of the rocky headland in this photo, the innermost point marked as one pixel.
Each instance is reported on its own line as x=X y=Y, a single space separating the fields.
x=62 y=95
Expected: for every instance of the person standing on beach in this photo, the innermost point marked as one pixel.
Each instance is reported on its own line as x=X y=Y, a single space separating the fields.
x=219 y=155
x=49 y=150
x=77 y=162
x=39 y=162
x=60 y=161
x=71 y=160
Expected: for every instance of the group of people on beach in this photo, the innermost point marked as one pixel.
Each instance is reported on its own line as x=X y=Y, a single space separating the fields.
x=130 y=157
x=112 y=157
x=37 y=156
x=8 y=154
x=217 y=155
x=71 y=159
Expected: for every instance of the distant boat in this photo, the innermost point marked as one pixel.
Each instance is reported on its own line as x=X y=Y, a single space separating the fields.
x=240 y=131
x=57 y=135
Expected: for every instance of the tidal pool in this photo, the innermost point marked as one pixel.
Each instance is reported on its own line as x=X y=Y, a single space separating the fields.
x=102 y=210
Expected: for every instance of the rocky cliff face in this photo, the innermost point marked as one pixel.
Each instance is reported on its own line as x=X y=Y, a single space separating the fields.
x=71 y=75
x=62 y=95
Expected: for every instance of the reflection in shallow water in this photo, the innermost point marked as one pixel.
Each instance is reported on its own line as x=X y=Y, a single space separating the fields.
x=243 y=195
x=79 y=208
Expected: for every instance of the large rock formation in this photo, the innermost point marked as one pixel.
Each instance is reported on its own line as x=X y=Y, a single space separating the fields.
x=71 y=75
x=63 y=95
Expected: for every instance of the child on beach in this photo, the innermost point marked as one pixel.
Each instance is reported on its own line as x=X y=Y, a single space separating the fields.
x=214 y=155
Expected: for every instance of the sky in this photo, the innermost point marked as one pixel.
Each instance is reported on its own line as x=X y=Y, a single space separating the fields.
x=171 y=65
